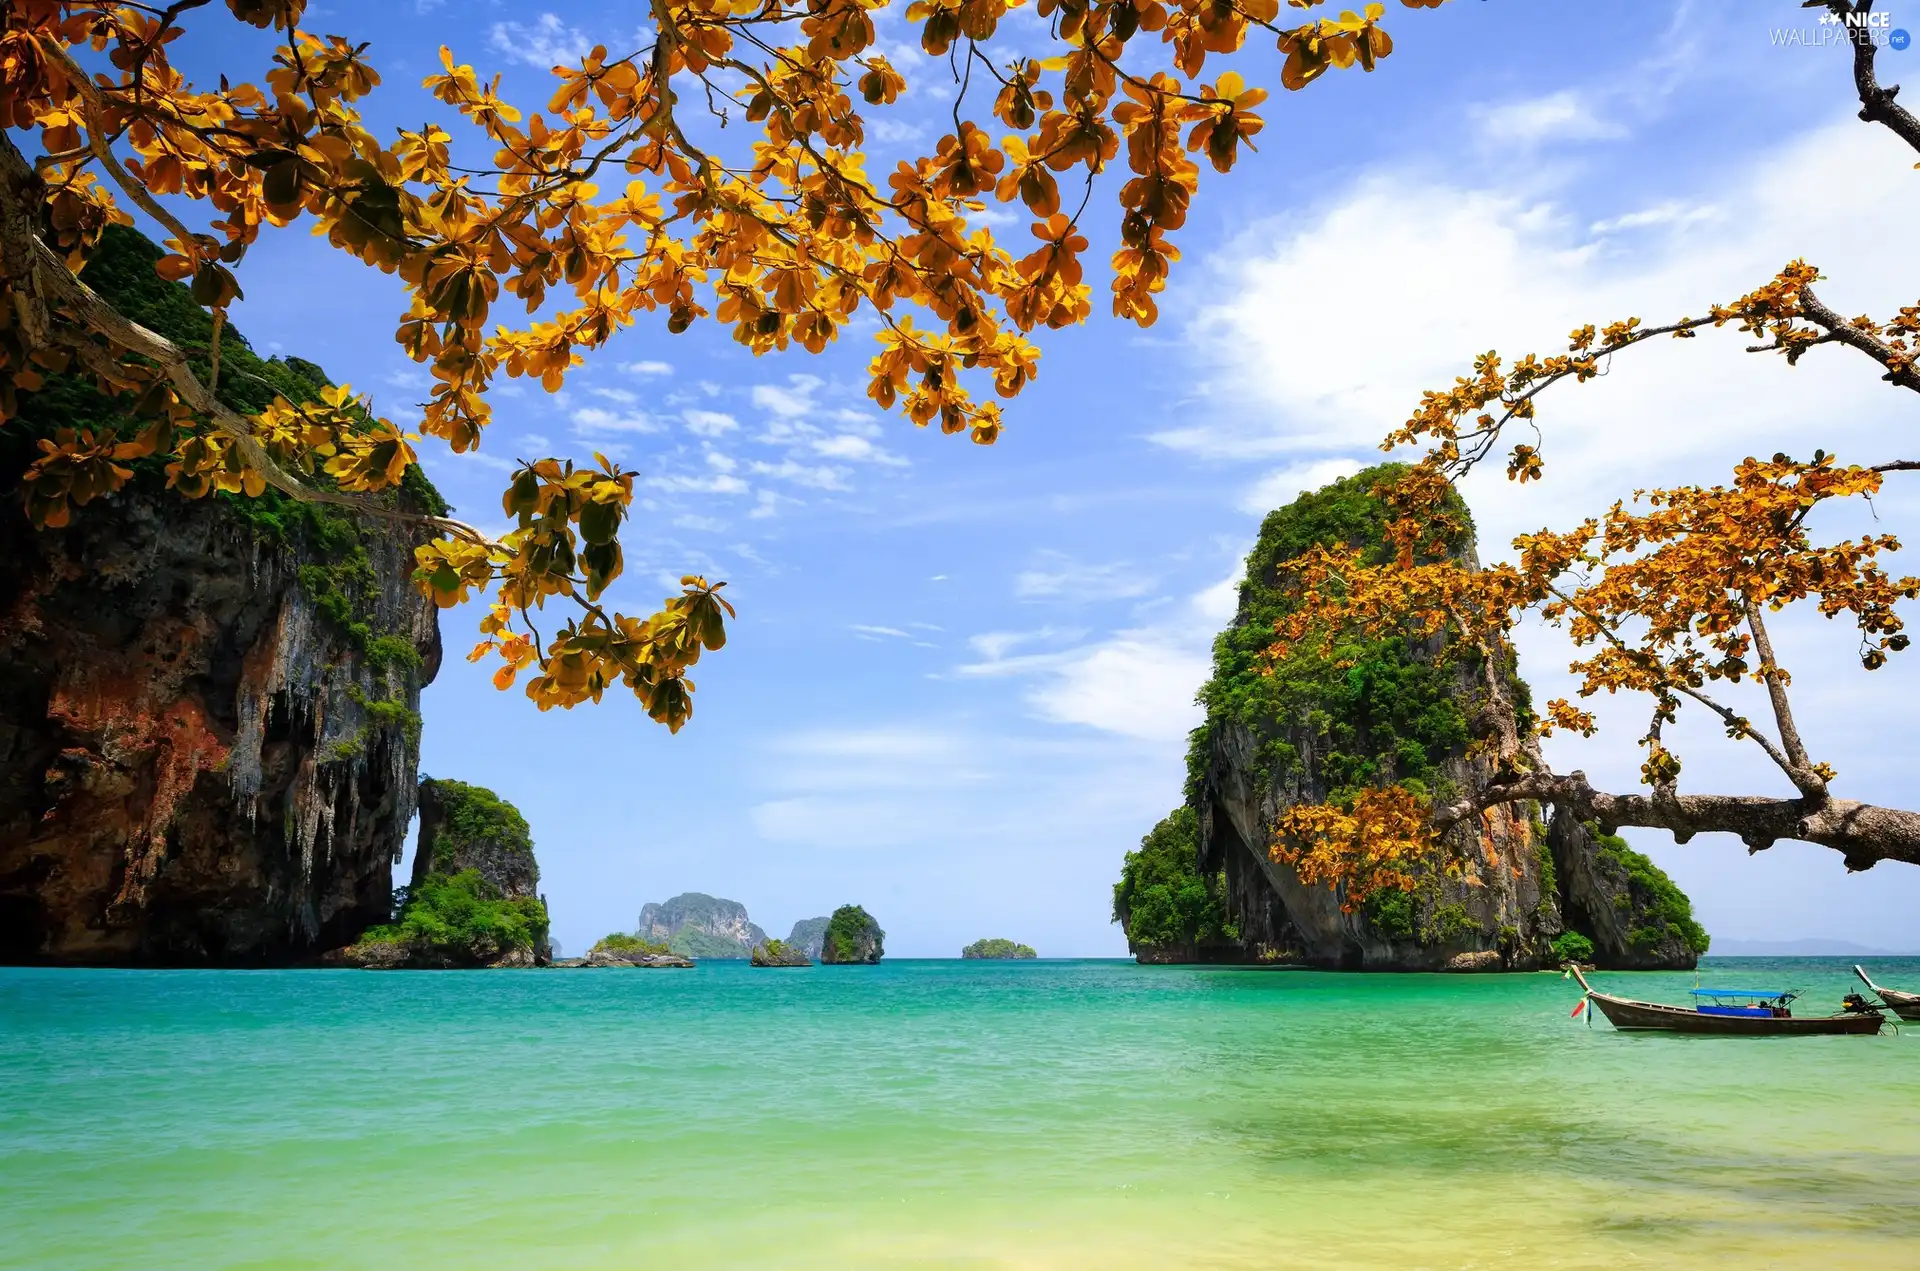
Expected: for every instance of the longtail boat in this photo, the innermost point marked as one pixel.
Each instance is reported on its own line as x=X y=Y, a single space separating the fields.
x=1905 y=1005
x=1731 y=1013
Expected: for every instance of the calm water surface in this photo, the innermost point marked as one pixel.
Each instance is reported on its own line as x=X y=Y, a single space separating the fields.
x=945 y=1114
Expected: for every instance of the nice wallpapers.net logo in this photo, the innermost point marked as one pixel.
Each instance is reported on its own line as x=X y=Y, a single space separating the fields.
x=1836 y=30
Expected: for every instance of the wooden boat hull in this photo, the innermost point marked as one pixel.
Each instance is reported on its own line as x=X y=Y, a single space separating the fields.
x=1631 y=1016
x=1905 y=1005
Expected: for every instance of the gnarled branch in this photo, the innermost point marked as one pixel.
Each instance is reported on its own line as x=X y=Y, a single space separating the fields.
x=1862 y=833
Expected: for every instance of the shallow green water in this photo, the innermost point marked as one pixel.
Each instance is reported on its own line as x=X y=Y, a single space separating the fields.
x=1053 y=1114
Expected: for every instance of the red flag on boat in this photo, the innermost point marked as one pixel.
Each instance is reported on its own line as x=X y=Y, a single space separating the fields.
x=1578 y=1006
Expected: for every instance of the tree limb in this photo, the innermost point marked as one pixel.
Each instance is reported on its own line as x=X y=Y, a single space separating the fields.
x=1862 y=833
x=1800 y=767
x=1876 y=103
x=1900 y=370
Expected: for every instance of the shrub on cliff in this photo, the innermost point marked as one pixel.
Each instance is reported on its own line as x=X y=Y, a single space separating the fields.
x=457 y=920
x=1161 y=900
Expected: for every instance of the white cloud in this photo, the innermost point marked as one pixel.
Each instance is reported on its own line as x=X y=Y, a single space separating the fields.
x=595 y=419
x=819 y=477
x=1140 y=687
x=895 y=132
x=1059 y=576
x=766 y=503
x=870 y=632
x=1137 y=683
x=995 y=645
x=1672 y=212
x=1409 y=280
x=721 y=462
x=703 y=523
x=708 y=423
x=857 y=449
x=1283 y=485
x=647 y=368
x=680 y=483
x=626 y=397
x=544 y=43
x=535 y=441
x=792 y=402
x=1563 y=116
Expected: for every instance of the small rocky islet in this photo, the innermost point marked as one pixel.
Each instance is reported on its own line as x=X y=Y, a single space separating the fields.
x=995 y=948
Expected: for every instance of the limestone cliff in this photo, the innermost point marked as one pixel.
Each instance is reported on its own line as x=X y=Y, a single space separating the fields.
x=209 y=716
x=700 y=926
x=852 y=935
x=475 y=896
x=1316 y=728
x=808 y=935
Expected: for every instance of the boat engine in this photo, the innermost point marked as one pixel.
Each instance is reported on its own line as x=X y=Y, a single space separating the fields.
x=1854 y=1004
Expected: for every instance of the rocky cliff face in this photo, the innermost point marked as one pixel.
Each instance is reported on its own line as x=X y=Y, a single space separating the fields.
x=700 y=926
x=198 y=764
x=1313 y=729
x=208 y=710
x=807 y=936
x=852 y=935
x=466 y=827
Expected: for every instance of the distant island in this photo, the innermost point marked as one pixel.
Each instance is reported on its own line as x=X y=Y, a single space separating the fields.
x=996 y=948
x=696 y=925
x=853 y=936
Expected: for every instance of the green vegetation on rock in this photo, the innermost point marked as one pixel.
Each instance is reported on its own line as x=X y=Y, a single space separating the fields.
x=1658 y=909
x=460 y=920
x=1376 y=710
x=997 y=948
x=625 y=942
x=473 y=816
x=1161 y=901
x=776 y=952
x=853 y=936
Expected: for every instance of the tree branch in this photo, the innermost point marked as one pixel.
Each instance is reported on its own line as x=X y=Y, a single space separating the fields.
x=1900 y=369
x=1862 y=833
x=1876 y=103
x=1800 y=768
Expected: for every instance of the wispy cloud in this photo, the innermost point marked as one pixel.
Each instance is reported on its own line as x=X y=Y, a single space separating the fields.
x=817 y=476
x=708 y=423
x=1567 y=115
x=1059 y=576
x=544 y=43
x=590 y=420
x=647 y=368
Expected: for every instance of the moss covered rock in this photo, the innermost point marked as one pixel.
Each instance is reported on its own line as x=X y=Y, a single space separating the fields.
x=852 y=936
x=1317 y=727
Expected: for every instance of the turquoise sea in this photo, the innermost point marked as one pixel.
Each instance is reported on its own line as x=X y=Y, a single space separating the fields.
x=936 y=1114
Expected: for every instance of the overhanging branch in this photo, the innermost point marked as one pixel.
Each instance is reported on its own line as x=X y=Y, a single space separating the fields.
x=1861 y=832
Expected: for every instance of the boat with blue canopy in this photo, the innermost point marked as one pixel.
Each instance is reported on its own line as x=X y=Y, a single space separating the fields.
x=1732 y=1013
x=1745 y=1003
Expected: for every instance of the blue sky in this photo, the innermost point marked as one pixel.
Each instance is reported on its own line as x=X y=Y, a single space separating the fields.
x=961 y=679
